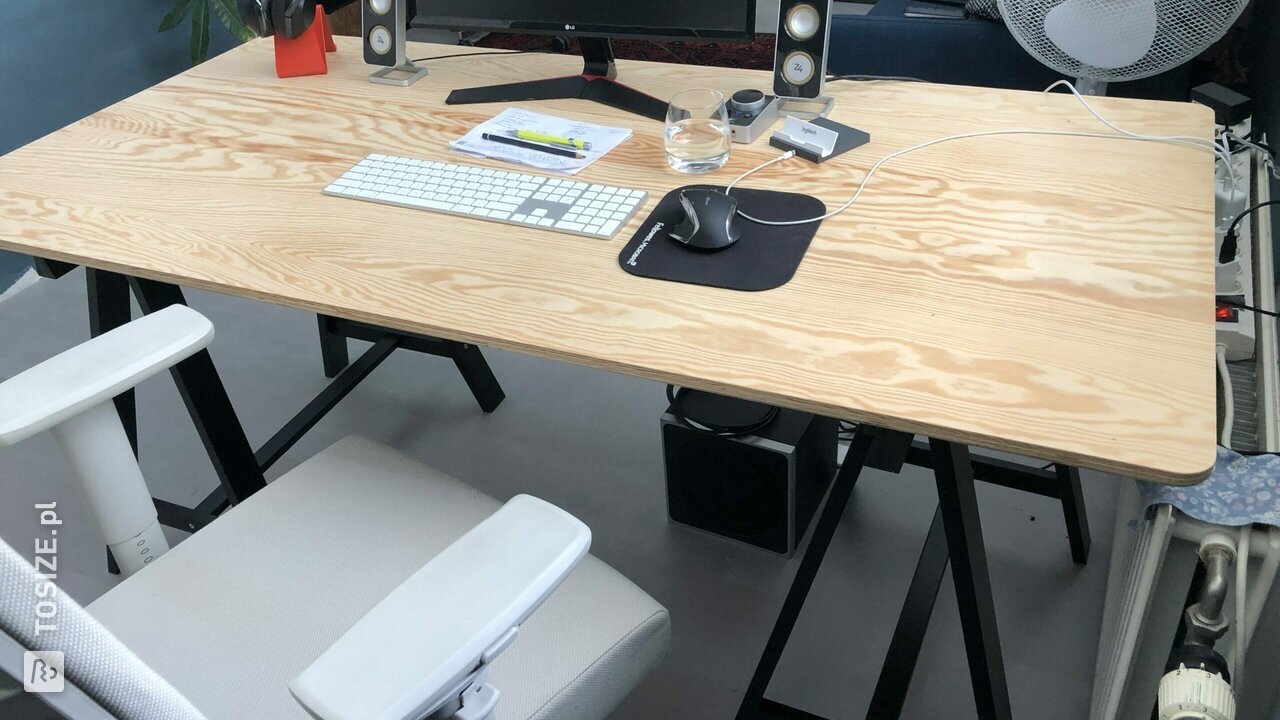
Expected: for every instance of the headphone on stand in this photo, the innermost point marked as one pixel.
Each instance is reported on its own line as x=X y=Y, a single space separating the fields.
x=289 y=18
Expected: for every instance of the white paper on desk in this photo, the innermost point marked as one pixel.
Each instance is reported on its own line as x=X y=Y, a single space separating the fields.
x=602 y=138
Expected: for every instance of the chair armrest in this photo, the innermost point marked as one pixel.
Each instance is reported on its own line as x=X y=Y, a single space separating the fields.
x=423 y=644
x=70 y=383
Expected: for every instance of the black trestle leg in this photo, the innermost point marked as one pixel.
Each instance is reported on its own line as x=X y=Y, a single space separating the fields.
x=207 y=402
x=958 y=502
x=1072 y=497
x=913 y=623
x=823 y=532
x=333 y=347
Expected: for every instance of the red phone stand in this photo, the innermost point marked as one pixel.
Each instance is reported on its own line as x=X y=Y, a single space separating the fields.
x=305 y=54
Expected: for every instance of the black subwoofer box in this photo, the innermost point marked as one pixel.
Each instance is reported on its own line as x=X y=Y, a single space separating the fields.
x=761 y=489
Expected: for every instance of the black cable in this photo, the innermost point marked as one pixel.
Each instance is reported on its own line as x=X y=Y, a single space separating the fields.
x=899 y=78
x=1235 y=223
x=1230 y=241
x=669 y=51
x=677 y=409
x=1250 y=308
x=455 y=55
x=1239 y=145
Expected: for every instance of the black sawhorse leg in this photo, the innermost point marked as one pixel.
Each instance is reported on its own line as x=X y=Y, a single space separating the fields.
x=1072 y=497
x=955 y=534
x=958 y=501
x=240 y=469
x=333 y=347
x=207 y=402
x=754 y=704
x=467 y=358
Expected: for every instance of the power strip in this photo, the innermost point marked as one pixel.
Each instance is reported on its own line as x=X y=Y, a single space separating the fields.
x=1236 y=328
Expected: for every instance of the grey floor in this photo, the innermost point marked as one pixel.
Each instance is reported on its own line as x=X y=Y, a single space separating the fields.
x=588 y=440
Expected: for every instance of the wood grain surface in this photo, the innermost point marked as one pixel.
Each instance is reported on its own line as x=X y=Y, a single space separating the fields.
x=1041 y=295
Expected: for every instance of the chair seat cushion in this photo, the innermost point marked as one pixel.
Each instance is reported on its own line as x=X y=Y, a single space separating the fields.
x=234 y=612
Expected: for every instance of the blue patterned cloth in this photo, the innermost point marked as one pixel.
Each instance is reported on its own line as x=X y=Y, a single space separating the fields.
x=1242 y=489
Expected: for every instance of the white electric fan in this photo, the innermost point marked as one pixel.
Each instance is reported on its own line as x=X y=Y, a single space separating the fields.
x=1103 y=41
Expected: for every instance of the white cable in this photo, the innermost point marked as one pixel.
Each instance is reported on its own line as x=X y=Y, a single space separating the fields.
x=1268 y=158
x=784 y=156
x=1228 y=400
x=1184 y=139
x=1229 y=162
x=1211 y=145
x=1242 y=578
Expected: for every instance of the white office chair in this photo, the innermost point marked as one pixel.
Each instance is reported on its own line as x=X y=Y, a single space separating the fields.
x=359 y=586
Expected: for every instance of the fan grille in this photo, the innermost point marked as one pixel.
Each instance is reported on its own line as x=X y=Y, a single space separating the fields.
x=1184 y=29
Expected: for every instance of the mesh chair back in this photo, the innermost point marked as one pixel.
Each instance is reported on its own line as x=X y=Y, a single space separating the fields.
x=94 y=660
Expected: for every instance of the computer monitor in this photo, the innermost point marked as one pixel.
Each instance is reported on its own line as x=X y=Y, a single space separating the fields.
x=593 y=22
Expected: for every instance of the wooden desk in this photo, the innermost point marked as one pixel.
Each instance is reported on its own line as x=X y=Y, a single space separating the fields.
x=1045 y=296
x=1041 y=295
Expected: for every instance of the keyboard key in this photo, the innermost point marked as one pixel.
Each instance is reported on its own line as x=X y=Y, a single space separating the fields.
x=430 y=204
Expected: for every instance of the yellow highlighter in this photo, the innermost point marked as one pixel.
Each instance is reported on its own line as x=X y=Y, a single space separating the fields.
x=532 y=136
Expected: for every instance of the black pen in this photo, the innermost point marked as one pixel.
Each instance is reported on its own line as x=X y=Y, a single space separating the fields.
x=533 y=146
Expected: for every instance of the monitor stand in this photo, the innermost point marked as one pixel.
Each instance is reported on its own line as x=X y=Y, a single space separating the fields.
x=595 y=83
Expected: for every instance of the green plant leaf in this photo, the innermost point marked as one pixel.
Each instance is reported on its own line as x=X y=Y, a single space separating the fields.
x=175 y=15
x=199 y=32
x=229 y=15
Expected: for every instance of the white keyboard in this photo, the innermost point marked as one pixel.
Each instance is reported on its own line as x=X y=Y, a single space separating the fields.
x=511 y=197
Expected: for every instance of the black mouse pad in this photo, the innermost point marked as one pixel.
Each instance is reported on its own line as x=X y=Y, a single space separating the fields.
x=765 y=257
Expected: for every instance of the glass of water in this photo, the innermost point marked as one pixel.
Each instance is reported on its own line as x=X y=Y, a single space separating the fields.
x=697 y=138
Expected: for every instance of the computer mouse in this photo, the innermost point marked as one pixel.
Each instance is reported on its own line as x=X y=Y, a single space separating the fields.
x=711 y=220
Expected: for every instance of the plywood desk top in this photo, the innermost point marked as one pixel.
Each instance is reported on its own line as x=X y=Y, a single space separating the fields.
x=1040 y=295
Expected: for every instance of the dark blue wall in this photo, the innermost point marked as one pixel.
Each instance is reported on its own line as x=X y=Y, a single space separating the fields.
x=63 y=59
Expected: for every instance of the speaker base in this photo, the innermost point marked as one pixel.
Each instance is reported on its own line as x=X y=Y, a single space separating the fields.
x=400 y=76
x=596 y=83
x=806 y=108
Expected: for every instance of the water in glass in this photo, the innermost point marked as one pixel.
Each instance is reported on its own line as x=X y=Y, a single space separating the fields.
x=697 y=137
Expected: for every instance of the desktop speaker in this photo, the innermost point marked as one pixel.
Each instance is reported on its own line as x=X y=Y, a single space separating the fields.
x=383 y=23
x=800 y=61
x=762 y=488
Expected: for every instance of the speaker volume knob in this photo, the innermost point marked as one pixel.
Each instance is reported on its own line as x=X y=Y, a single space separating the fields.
x=749 y=101
x=802 y=22
x=380 y=39
x=797 y=69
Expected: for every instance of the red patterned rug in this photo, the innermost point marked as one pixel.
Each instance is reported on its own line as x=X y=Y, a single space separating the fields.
x=755 y=56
